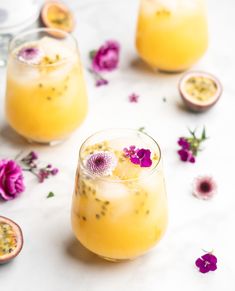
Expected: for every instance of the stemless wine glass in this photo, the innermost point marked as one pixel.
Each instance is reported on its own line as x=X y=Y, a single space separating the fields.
x=119 y=208
x=172 y=34
x=45 y=95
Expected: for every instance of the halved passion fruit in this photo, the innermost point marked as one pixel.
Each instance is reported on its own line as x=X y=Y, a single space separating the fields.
x=55 y=14
x=199 y=90
x=11 y=239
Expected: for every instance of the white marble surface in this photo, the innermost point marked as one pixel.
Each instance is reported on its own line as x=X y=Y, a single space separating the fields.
x=51 y=259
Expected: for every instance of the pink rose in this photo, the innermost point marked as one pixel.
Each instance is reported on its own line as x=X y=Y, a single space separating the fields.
x=11 y=180
x=107 y=57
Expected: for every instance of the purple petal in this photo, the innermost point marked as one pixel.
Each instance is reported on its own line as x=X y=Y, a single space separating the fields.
x=145 y=162
x=199 y=262
x=213 y=267
x=183 y=155
x=135 y=160
x=204 y=269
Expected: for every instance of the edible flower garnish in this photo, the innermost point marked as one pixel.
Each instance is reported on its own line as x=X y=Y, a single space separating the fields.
x=30 y=55
x=137 y=156
x=105 y=59
x=207 y=263
x=11 y=180
x=204 y=187
x=190 y=146
x=101 y=163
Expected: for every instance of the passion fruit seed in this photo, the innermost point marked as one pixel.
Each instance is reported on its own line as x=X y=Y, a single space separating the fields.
x=8 y=241
x=201 y=88
x=11 y=240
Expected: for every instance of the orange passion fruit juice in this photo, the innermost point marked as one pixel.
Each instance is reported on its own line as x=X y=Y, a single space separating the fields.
x=172 y=34
x=46 y=96
x=120 y=212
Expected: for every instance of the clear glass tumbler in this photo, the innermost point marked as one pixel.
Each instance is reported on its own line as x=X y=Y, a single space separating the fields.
x=119 y=208
x=46 y=97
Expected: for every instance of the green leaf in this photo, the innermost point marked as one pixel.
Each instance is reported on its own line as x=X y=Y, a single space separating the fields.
x=92 y=54
x=192 y=132
x=203 y=137
x=142 y=129
x=50 y=194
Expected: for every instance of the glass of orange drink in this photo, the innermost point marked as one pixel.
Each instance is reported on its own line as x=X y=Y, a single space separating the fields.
x=172 y=34
x=46 y=97
x=119 y=208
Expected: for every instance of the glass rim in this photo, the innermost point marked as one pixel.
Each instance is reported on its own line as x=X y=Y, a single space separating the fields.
x=42 y=29
x=82 y=165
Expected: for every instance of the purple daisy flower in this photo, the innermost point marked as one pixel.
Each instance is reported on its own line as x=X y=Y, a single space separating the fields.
x=101 y=163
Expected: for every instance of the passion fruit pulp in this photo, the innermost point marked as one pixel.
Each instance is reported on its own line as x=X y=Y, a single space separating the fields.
x=11 y=239
x=55 y=14
x=199 y=90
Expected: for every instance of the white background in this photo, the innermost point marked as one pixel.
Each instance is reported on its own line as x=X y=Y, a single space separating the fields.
x=51 y=259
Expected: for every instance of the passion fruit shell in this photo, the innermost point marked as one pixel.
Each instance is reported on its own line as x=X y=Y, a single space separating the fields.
x=11 y=240
x=55 y=14
x=199 y=90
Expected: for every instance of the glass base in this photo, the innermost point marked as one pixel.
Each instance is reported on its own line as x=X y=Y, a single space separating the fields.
x=116 y=260
x=46 y=143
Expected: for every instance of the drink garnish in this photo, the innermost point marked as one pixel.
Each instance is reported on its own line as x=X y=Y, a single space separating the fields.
x=101 y=163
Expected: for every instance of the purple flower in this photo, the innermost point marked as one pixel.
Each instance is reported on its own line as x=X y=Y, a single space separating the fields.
x=130 y=152
x=41 y=173
x=206 y=263
x=134 y=98
x=101 y=163
x=184 y=143
x=30 y=55
x=142 y=158
x=54 y=171
x=204 y=187
x=186 y=156
x=190 y=146
x=11 y=180
x=101 y=82
x=107 y=57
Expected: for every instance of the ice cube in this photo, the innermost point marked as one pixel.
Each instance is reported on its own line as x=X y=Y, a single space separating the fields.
x=108 y=190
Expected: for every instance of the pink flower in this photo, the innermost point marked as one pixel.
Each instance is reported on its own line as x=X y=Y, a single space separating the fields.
x=11 y=180
x=204 y=187
x=107 y=57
